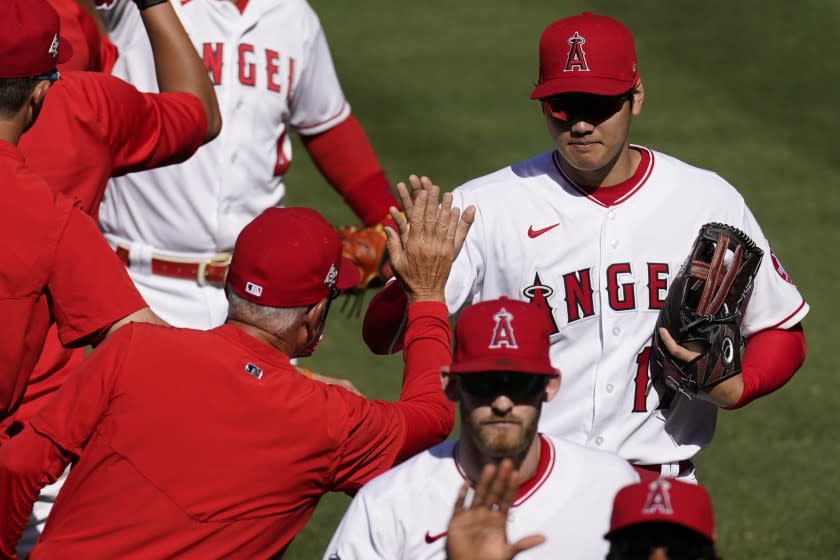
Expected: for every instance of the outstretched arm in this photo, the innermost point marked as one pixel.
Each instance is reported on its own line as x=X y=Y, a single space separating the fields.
x=177 y=64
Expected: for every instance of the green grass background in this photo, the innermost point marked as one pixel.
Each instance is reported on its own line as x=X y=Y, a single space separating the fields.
x=749 y=89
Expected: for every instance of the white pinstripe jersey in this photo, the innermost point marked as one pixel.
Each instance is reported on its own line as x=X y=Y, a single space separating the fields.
x=405 y=512
x=605 y=271
x=273 y=72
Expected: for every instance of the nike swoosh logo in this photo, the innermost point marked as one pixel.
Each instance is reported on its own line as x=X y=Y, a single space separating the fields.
x=432 y=538
x=532 y=233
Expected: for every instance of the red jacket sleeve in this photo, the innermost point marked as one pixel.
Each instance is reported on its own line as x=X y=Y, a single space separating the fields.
x=145 y=130
x=28 y=462
x=56 y=435
x=89 y=287
x=345 y=158
x=375 y=434
x=771 y=357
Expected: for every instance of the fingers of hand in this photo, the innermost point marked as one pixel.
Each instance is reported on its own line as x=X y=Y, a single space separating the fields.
x=525 y=543
x=482 y=487
x=406 y=197
x=677 y=351
x=418 y=212
x=394 y=246
x=462 y=496
x=431 y=214
x=399 y=219
x=444 y=217
x=463 y=227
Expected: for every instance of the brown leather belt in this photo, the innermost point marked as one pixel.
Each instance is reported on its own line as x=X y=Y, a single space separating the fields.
x=211 y=271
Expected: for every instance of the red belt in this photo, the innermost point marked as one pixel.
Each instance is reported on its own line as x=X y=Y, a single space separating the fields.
x=652 y=472
x=211 y=271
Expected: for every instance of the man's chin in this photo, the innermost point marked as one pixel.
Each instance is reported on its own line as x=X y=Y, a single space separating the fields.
x=501 y=445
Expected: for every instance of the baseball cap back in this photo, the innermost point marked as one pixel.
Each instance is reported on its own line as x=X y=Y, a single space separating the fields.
x=30 y=41
x=502 y=335
x=586 y=53
x=289 y=257
x=665 y=501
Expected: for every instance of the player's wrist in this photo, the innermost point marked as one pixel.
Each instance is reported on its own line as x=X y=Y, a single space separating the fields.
x=145 y=4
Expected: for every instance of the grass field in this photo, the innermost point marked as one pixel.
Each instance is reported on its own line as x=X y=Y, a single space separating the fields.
x=749 y=89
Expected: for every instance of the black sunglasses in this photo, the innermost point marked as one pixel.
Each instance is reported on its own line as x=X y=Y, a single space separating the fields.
x=572 y=107
x=517 y=386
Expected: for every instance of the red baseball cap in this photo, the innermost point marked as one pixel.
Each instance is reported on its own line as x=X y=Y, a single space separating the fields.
x=30 y=44
x=586 y=53
x=664 y=500
x=289 y=257
x=503 y=335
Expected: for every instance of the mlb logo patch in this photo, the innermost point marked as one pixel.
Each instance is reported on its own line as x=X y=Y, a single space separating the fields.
x=254 y=371
x=253 y=289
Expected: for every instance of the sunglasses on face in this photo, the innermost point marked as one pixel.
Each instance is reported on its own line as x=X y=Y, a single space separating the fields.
x=517 y=386
x=573 y=107
x=675 y=551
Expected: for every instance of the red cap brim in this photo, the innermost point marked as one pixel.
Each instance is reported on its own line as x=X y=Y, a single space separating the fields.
x=348 y=275
x=588 y=84
x=65 y=51
x=487 y=365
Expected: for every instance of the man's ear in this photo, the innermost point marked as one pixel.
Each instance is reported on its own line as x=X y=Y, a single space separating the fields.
x=638 y=98
x=36 y=101
x=449 y=384
x=552 y=386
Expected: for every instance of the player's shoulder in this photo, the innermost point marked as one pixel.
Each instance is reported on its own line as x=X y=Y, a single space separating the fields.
x=598 y=462
x=508 y=178
x=436 y=463
x=688 y=176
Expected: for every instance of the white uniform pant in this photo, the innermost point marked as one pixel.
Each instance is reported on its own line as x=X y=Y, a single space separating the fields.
x=182 y=303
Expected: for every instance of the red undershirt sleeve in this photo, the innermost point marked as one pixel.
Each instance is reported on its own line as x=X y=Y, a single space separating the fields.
x=771 y=357
x=376 y=434
x=429 y=415
x=346 y=159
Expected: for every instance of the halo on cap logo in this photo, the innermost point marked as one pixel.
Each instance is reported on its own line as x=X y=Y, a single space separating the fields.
x=253 y=289
x=331 y=276
x=54 y=46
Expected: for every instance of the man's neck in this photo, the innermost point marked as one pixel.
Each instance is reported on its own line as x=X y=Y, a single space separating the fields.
x=11 y=131
x=270 y=339
x=472 y=461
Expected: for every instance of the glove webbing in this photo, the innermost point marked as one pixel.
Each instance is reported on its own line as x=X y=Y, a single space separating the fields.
x=711 y=300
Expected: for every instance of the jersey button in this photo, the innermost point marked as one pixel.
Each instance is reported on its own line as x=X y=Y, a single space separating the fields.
x=616 y=331
x=599 y=440
x=614 y=244
x=612 y=215
x=610 y=388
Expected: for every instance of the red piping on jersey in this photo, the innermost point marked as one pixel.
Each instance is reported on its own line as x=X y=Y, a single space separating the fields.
x=615 y=194
x=786 y=319
x=301 y=129
x=528 y=488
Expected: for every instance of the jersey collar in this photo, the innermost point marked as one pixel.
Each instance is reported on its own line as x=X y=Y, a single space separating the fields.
x=615 y=194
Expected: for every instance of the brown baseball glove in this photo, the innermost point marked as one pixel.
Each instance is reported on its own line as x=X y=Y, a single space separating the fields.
x=365 y=247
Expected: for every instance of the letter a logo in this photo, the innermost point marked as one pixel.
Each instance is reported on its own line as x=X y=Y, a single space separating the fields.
x=576 y=59
x=659 y=498
x=503 y=331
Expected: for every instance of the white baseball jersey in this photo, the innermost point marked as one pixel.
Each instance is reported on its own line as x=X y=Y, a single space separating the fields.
x=273 y=73
x=405 y=512
x=605 y=272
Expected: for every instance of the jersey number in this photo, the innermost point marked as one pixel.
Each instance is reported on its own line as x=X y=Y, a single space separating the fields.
x=641 y=383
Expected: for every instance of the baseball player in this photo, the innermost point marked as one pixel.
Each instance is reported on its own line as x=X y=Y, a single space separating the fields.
x=500 y=376
x=598 y=227
x=106 y=127
x=56 y=266
x=267 y=441
x=664 y=519
x=271 y=67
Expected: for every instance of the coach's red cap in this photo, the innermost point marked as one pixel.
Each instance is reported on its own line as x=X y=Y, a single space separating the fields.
x=664 y=500
x=289 y=257
x=30 y=44
x=502 y=335
x=586 y=54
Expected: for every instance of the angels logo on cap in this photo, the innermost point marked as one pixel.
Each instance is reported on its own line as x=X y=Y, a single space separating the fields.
x=54 y=46
x=576 y=59
x=503 y=331
x=658 y=499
